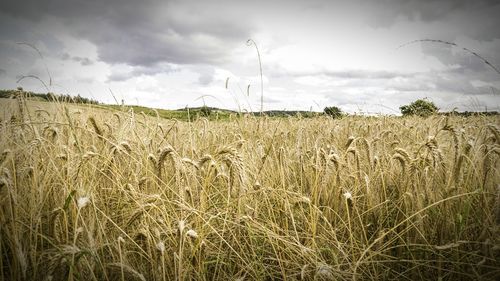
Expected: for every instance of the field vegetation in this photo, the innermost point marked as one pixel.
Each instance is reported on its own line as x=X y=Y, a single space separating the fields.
x=90 y=193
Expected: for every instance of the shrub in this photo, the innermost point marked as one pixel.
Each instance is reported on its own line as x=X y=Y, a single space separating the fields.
x=333 y=111
x=205 y=111
x=420 y=107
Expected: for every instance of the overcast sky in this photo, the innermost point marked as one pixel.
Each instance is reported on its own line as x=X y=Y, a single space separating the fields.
x=172 y=54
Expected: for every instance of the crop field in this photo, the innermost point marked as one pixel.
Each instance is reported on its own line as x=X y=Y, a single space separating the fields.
x=102 y=194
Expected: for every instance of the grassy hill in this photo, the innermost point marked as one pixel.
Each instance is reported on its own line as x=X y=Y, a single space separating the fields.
x=192 y=113
x=184 y=114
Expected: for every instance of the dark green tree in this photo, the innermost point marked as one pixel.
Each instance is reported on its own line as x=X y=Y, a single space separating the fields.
x=420 y=107
x=205 y=111
x=333 y=111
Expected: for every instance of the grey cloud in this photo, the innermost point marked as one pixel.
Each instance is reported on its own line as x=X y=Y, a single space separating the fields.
x=489 y=90
x=20 y=61
x=341 y=97
x=84 y=61
x=20 y=30
x=2 y=72
x=12 y=54
x=461 y=68
x=426 y=10
x=365 y=74
x=476 y=19
x=444 y=86
x=463 y=87
x=270 y=100
x=87 y=80
x=118 y=77
x=136 y=71
x=17 y=56
x=206 y=75
x=341 y=74
x=438 y=81
x=449 y=84
x=147 y=32
x=408 y=86
x=462 y=65
x=195 y=32
x=205 y=79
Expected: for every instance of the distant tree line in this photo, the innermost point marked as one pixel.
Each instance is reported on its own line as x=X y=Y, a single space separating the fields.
x=469 y=113
x=420 y=107
x=48 y=96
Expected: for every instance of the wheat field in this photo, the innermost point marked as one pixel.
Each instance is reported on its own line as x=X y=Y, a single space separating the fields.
x=90 y=194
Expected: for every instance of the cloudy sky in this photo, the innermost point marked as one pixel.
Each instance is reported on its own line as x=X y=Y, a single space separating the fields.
x=172 y=54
